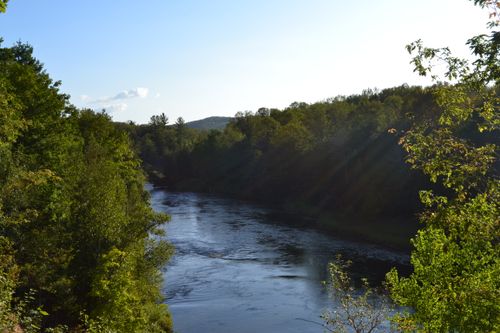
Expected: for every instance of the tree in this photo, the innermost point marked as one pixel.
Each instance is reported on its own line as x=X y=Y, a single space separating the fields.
x=159 y=120
x=357 y=311
x=455 y=286
x=72 y=206
x=180 y=132
x=3 y=5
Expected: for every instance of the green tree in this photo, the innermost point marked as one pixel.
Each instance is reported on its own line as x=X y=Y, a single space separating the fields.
x=159 y=120
x=180 y=132
x=3 y=5
x=72 y=205
x=358 y=311
x=455 y=286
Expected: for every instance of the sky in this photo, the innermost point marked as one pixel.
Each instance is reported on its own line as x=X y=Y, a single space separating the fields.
x=201 y=58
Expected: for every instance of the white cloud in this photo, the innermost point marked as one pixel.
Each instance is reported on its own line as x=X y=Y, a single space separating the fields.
x=126 y=94
x=115 y=103
x=132 y=93
x=113 y=107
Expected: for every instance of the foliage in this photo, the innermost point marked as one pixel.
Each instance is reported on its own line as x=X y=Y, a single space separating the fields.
x=3 y=5
x=72 y=208
x=455 y=285
x=340 y=154
x=358 y=311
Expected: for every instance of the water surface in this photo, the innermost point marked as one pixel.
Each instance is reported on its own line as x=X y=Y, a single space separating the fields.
x=239 y=268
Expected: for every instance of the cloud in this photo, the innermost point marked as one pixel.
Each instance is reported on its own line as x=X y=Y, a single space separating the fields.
x=116 y=102
x=112 y=107
x=132 y=93
x=126 y=94
x=115 y=107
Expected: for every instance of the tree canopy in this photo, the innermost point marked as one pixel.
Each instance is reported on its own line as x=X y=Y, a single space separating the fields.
x=455 y=286
x=338 y=156
x=75 y=220
x=3 y=5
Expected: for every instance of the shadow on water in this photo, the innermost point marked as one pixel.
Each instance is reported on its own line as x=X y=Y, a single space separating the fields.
x=239 y=268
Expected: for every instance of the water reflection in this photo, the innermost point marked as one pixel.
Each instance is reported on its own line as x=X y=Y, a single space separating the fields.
x=238 y=268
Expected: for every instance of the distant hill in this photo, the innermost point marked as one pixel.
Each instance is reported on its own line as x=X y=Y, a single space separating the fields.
x=209 y=123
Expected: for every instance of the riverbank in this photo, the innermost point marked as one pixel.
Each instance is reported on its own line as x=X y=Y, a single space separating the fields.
x=392 y=232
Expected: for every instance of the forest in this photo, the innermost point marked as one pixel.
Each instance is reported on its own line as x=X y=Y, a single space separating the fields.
x=76 y=252
x=81 y=248
x=337 y=160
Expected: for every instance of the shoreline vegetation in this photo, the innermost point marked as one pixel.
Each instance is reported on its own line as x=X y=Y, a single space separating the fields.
x=76 y=253
x=395 y=233
x=337 y=161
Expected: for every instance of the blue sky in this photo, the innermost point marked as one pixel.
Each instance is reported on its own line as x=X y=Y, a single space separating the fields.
x=195 y=58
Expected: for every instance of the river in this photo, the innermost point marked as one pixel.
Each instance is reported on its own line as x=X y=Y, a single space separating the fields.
x=238 y=267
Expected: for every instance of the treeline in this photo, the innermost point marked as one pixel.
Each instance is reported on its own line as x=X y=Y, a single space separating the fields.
x=339 y=160
x=75 y=221
x=339 y=155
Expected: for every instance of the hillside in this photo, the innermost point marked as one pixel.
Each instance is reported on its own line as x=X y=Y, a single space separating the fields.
x=209 y=123
x=338 y=159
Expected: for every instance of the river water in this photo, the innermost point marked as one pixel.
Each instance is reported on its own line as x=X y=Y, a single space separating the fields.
x=238 y=267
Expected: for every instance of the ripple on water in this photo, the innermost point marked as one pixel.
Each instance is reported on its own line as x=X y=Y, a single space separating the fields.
x=236 y=269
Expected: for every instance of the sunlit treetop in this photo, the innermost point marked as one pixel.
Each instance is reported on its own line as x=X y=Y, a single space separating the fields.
x=3 y=5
